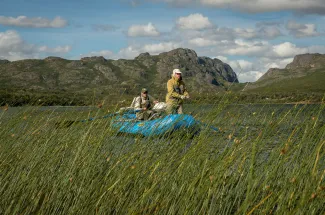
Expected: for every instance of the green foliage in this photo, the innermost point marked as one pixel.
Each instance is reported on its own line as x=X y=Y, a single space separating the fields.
x=310 y=83
x=266 y=159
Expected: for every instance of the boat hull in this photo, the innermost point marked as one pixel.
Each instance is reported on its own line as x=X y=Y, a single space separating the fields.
x=168 y=124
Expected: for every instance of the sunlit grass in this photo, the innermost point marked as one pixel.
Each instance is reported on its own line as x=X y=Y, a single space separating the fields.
x=267 y=159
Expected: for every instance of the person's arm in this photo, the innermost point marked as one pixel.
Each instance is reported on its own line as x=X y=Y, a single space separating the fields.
x=152 y=99
x=186 y=94
x=137 y=105
x=171 y=91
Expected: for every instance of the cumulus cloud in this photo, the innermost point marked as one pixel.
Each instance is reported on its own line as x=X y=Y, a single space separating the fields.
x=200 y=42
x=160 y=47
x=265 y=32
x=36 y=22
x=222 y=58
x=244 y=69
x=247 y=48
x=13 y=47
x=193 y=22
x=278 y=63
x=154 y=49
x=250 y=76
x=143 y=31
x=288 y=49
x=59 y=49
x=241 y=65
x=301 y=30
x=256 y=6
x=245 y=33
x=269 y=32
x=225 y=33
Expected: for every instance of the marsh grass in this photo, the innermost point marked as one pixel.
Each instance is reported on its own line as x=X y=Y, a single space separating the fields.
x=266 y=159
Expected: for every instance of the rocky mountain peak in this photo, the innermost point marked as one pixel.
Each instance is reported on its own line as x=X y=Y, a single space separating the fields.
x=53 y=58
x=143 y=55
x=306 y=61
x=182 y=53
x=4 y=61
x=202 y=74
x=93 y=59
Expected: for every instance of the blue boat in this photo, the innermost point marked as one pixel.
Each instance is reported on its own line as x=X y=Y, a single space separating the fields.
x=127 y=124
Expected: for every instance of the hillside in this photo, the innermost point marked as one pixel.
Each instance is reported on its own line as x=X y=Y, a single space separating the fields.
x=115 y=77
x=305 y=74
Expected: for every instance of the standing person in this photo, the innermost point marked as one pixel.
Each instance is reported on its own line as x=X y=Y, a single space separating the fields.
x=143 y=105
x=176 y=93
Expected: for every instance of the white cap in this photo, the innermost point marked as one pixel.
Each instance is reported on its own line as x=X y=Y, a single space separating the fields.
x=176 y=71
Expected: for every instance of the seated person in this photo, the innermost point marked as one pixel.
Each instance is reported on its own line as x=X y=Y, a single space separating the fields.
x=143 y=105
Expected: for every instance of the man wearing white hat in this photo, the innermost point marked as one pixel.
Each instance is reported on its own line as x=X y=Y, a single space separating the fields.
x=176 y=93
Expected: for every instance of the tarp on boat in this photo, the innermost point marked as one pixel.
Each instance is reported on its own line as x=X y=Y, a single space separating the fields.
x=127 y=123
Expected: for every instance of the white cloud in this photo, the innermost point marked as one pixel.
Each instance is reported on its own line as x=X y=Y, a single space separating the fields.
x=132 y=51
x=245 y=33
x=301 y=30
x=13 y=47
x=263 y=32
x=243 y=68
x=129 y=52
x=288 y=49
x=315 y=6
x=160 y=47
x=250 y=71
x=256 y=6
x=275 y=63
x=250 y=76
x=270 y=32
x=241 y=65
x=200 y=42
x=59 y=49
x=222 y=58
x=193 y=22
x=254 y=48
x=37 y=22
x=143 y=31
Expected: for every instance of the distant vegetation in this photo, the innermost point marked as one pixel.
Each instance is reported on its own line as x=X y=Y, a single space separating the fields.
x=23 y=98
x=266 y=159
x=96 y=80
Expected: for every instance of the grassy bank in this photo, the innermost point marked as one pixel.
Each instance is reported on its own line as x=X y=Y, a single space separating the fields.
x=266 y=159
x=15 y=98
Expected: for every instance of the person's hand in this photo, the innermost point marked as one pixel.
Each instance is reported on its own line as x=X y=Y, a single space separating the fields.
x=155 y=102
x=145 y=108
x=182 y=97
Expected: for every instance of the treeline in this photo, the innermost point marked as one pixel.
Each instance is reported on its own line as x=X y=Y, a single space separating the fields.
x=22 y=98
x=239 y=97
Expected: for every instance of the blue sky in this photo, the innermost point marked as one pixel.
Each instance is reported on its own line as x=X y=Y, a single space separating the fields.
x=251 y=36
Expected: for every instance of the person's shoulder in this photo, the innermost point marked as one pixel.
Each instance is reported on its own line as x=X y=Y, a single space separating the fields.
x=170 y=80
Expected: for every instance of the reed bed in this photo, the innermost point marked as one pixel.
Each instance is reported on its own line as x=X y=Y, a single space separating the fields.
x=266 y=159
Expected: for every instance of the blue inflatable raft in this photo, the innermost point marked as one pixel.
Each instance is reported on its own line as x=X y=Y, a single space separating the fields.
x=126 y=123
x=165 y=125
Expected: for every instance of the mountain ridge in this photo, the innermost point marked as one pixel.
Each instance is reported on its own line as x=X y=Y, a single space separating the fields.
x=305 y=73
x=201 y=74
